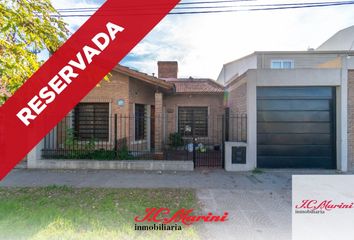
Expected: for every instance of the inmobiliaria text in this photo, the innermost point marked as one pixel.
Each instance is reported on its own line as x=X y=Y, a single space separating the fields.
x=163 y=219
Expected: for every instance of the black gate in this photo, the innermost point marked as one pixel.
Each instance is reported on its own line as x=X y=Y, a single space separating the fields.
x=201 y=137
x=209 y=151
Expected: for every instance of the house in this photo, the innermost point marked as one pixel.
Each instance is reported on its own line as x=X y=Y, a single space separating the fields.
x=299 y=105
x=270 y=109
x=135 y=116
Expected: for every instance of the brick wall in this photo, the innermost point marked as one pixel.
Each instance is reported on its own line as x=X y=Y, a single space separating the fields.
x=141 y=93
x=237 y=98
x=351 y=119
x=167 y=69
x=111 y=91
x=116 y=88
x=133 y=91
x=123 y=87
x=106 y=92
x=237 y=102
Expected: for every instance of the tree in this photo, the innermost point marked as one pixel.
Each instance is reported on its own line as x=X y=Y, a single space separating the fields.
x=26 y=28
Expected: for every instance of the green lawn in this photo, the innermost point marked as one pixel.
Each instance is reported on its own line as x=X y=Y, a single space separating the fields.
x=70 y=213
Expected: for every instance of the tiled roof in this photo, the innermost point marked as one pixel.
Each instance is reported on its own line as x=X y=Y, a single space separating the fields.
x=182 y=85
x=144 y=77
x=196 y=85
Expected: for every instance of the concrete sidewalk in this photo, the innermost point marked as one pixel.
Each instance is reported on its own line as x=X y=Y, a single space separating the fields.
x=199 y=179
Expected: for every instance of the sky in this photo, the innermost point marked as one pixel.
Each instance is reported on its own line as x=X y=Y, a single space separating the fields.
x=203 y=43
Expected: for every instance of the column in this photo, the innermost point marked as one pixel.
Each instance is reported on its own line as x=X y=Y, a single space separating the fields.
x=158 y=122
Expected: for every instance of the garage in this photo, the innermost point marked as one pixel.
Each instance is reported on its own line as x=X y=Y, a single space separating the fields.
x=296 y=127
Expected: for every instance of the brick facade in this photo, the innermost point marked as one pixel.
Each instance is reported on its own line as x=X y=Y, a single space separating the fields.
x=133 y=91
x=141 y=93
x=111 y=91
x=106 y=92
x=351 y=119
x=161 y=108
x=237 y=99
x=237 y=103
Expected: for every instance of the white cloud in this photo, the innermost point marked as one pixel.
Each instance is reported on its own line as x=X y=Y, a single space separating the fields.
x=202 y=43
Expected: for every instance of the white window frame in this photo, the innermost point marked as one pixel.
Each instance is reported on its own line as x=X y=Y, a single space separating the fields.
x=282 y=61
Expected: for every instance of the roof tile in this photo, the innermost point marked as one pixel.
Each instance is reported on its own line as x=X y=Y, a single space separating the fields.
x=199 y=85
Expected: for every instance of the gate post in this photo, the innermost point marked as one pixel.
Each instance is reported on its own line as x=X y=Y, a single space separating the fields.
x=158 y=123
x=227 y=123
x=115 y=135
x=194 y=152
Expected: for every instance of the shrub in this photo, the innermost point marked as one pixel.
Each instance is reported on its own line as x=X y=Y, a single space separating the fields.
x=176 y=139
x=123 y=151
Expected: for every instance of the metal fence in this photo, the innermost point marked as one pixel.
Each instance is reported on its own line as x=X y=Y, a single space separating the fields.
x=134 y=138
x=204 y=147
x=236 y=127
x=109 y=138
x=208 y=151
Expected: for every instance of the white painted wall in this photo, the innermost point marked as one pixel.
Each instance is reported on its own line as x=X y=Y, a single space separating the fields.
x=228 y=155
x=237 y=68
x=296 y=77
x=35 y=155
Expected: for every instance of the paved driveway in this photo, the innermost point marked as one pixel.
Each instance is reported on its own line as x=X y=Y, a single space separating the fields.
x=259 y=205
x=259 y=212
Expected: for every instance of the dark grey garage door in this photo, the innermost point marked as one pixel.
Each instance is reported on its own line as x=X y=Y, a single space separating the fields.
x=296 y=127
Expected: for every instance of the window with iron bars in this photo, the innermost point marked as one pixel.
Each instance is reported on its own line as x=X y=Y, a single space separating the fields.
x=193 y=121
x=91 y=121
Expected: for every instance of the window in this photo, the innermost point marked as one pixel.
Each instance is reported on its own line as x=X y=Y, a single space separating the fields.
x=91 y=121
x=282 y=64
x=140 y=122
x=193 y=121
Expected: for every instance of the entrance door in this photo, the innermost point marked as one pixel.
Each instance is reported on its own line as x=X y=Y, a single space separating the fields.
x=296 y=127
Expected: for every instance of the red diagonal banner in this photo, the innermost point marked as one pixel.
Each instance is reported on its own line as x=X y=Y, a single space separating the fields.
x=74 y=70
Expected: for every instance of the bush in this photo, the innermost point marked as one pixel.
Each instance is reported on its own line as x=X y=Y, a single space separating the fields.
x=103 y=155
x=176 y=139
x=76 y=149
